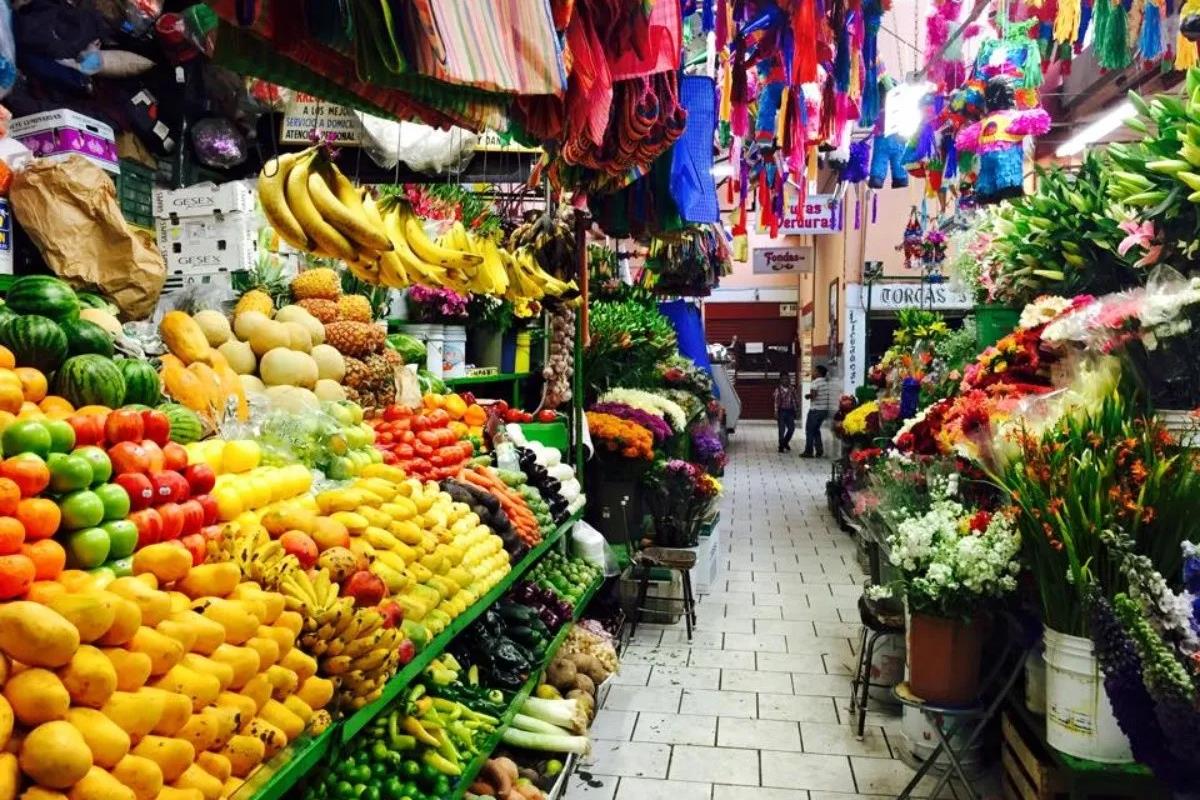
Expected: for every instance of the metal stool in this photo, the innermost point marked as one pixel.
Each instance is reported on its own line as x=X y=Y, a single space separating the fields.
x=877 y=621
x=681 y=561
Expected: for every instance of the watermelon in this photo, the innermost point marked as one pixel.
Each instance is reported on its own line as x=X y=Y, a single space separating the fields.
x=142 y=384
x=90 y=380
x=34 y=341
x=86 y=337
x=43 y=295
x=89 y=300
x=185 y=423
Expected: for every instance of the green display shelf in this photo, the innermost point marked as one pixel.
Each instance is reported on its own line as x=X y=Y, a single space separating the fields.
x=476 y=380
x=277 y=777
x=476 y=764
x=362 y=718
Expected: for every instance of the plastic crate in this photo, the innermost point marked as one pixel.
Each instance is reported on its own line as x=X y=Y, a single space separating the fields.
x=551 y=434
x=135 y=193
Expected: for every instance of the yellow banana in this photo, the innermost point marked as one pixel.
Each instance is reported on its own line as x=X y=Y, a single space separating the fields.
x=417 y=270
x=326 y=237
x=271 y=182
x=354 y=226
x=429 y=250
x=391 y=270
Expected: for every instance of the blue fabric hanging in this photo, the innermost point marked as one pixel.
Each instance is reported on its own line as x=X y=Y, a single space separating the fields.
x=692 y=186
x=689 y=327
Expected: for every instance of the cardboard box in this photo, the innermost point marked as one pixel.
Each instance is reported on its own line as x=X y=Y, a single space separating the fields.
x=205 y=199
x=62 y=133
x=708 y=562
x=208 y=244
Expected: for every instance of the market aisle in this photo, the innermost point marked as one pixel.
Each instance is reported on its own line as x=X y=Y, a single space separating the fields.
x=757 y=707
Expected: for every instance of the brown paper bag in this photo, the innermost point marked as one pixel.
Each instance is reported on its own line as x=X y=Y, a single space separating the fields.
x=70 y=210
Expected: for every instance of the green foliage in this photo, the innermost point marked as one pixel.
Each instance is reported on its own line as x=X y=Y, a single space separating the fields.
x=628 y=339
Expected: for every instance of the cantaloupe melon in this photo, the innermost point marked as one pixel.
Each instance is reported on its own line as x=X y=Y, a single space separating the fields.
x=248 y=322
x=269 y=336
x=329 y=390
x=239 y=356
x=215 y=326
x=284 y=367
x=331 y=365
x=300 y=338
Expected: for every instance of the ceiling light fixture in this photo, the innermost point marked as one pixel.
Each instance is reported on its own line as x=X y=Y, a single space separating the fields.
x=1097 y=129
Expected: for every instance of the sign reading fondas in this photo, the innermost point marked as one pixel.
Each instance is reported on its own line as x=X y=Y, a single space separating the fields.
x=781 y=260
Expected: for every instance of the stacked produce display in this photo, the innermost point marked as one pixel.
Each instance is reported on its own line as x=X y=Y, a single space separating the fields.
x=213 y=554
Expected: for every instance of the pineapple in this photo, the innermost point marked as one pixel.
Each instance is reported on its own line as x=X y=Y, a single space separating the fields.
x=357 y=375
x=324 y=310
x=357 y=339
x=254 y=300
x=266 y=287
x=321 y=282
x=354 y=307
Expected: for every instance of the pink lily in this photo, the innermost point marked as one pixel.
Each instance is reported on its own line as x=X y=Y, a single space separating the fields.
x=1139 y=236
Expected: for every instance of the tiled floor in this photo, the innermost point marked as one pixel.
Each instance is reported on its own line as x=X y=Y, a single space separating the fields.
x=756 y=707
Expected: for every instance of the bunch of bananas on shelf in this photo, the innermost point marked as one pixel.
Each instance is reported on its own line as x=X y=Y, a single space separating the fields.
x=260 y=558
x=315 y=208
x=356 y=647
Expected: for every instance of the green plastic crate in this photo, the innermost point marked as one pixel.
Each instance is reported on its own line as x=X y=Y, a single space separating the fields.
x=135 y=193
x=551 y=434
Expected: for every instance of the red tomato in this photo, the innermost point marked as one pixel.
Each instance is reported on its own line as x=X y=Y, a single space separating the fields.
x=392 y=412
x=547 y=416
x=125 y=425
x=156 y=427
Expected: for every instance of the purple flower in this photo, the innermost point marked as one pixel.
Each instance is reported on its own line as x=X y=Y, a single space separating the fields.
x=437 y=305
x=651 y=422
x=707 y=445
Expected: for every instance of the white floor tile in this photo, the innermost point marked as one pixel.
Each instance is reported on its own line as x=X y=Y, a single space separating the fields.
x=806 y=771
x=615 y=725
x=718 y=704
x=757 y=793
x=822 y=685
x=791 y=662
x=796 y=708
x=711 y=764
x=640 y=698
x=667 y=655
x=591 y=786
x=756 y=642
x=676 y=729
x=759 y=734
x=722 y=659
x=740 y=680
x=635 y=759
x=632 y=674
x=643 y=789
x=690 y=677
x=842 y=740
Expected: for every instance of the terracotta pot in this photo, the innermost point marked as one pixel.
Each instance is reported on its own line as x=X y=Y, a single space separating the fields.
x=943 y=659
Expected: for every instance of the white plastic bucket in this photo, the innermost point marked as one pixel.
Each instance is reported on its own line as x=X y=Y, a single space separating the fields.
x=1079 y=718
x=435 y=339
x=454 y=352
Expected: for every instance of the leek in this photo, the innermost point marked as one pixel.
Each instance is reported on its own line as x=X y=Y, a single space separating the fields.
x=566 y=714
x=535 y=725
x=545 y=742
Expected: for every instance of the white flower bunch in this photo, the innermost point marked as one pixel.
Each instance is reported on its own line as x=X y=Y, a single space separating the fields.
x=651 y=403
x=1043 y=309
x=947 y=566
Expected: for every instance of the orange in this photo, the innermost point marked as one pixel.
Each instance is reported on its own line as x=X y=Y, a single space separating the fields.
x=11 y=393
x=16 y=575
x=7 y=359
x=94 y=410
x=43 y=591
x=48 y=557
x=30 y=411
x=40 y=517
x=12 y=536
x=75 y=580
x=33 y=383
x=30 y=474
x=10 y=495
x=56 y=407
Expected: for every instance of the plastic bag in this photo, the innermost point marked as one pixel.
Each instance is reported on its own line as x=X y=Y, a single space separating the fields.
x=421 y=147
x=590 y=545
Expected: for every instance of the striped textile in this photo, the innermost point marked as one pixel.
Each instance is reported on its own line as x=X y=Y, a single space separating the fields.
x=505 y=46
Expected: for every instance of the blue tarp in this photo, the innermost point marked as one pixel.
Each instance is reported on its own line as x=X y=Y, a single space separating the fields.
x=689 y=327
x=692 y=185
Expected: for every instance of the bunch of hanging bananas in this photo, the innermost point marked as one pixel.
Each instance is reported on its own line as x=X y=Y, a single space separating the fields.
x=356 y=648
x=527 y=279
x=551 y=239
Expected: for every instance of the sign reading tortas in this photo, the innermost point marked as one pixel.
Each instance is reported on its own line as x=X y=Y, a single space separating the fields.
x=781 y=260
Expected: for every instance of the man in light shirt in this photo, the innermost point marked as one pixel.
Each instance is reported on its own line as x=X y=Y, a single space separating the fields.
x=819 y=398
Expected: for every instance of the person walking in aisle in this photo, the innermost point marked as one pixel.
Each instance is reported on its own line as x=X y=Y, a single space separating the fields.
x=787 y=403
x=818 y=410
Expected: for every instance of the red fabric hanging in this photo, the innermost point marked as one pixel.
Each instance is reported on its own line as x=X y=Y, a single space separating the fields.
x=804 y=42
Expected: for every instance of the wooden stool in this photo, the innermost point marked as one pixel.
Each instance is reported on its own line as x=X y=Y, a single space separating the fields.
x=877 y=621
x=679 y=560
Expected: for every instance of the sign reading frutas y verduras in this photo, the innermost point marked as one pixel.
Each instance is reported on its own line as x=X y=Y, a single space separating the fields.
x=305 y=113
x=781 y=260
x=815 y=216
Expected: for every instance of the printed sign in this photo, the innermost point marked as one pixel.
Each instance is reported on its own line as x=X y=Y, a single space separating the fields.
x=781 y=260
x=816 y=216
x=305 y=113
x=895 y=296
x=789 y=309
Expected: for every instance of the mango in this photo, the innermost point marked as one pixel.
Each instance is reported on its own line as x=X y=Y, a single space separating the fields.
x=317 y=692
x=244 y=753
x=239 y=624
x=136 y=713
x=142 y=590
x=212 y=580
x=133 y=669
x=216 y=765
x=194 y=777
x=164 y=651
x=202 y=689
x=108 y=743
x=92 y=613
x=179 y=631
x=207 y=666
x=36 y=635
x=243 y=662
x=173 y=756
x=100 y=785
x=90 y=677
x=208 y=635
x=176 y=710
x=37 y=696
x=166 y=561
x=141 y=775
x=55 y=755
x=10 y=776
x=278 y=715
x=127 y=618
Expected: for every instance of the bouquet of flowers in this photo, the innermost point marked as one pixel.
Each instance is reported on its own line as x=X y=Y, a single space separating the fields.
x=436 y=305
x=651 y=402
x=951 y=559
x=706 y=445
x=621 y=436
x=651 y=422
x=681 y=496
